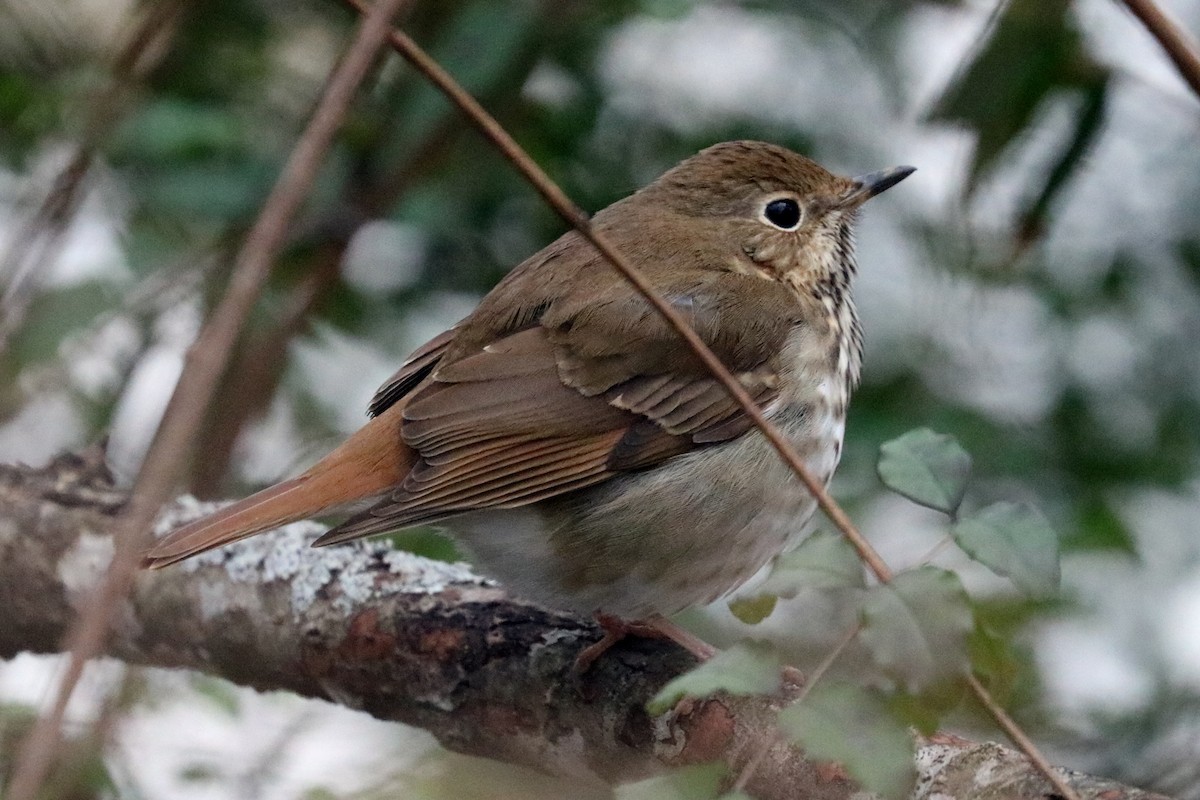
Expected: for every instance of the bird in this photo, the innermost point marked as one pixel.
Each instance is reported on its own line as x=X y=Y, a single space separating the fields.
x=566 y=435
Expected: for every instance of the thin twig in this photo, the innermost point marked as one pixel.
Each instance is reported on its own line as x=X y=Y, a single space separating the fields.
x=810 y=681
x=932 y=552
x=828 y=660
x=1021 y=739
x=1179 y=47
x=575 y=217
x=206 y=361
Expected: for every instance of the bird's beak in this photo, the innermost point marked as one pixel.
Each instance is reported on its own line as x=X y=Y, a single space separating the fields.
x=873 y=183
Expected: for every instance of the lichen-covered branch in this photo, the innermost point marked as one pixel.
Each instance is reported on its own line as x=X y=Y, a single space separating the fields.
x=416 y=641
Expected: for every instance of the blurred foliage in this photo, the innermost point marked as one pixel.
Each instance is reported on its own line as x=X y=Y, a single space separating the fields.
x=80 y=773
x=698 y=782
x=853 y=727
x=194 y=153
x=745 y=668
x=1032 y=50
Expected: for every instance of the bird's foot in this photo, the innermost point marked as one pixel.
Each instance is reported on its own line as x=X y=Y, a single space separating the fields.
x=656 y=626
x=793 y=677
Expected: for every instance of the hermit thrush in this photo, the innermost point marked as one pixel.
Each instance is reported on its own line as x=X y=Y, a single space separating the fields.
x=567 y=436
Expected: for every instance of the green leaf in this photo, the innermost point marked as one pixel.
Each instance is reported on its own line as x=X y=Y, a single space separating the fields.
x=1016 y=541
x=753 y=610
x=854 y=728
x=699 y=782
x=745 y=668
x=199 y=772
x=31 y=111
x=822 y=561
x=320 y=793
x=56 y=313
x=916 y=627
x=926 y=467
x=481 y=44
x=427 y=543
x=927 y=710
x=220 y=191
x=1097 y=526
x=173 y=130
x=221 y=694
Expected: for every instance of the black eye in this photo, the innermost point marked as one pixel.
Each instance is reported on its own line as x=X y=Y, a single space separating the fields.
x=783 y=213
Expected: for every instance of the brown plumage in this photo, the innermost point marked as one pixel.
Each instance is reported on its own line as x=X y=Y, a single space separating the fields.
x=571 y=439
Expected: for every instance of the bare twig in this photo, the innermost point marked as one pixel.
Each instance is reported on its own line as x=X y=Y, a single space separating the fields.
x=1179 y=47
x=932 y=552
x=1020 y=738
x=574 y=216
x=206 y=361
x=810 y=681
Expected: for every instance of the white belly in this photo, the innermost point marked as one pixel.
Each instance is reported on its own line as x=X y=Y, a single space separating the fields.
x=683 y=533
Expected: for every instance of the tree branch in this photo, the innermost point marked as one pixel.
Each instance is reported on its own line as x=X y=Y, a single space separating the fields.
x=203 y=366
x=420 y=642
x=1178 y=46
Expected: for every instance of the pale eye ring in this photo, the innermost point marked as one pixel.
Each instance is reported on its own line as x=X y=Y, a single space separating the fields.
x=783 y=213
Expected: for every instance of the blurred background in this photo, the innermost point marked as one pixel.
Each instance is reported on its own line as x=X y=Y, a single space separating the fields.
x=1034 y=290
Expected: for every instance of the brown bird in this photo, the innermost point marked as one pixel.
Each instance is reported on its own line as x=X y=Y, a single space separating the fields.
x=569 y=438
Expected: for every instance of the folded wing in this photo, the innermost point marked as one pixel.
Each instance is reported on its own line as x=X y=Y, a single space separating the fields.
x=502 y=427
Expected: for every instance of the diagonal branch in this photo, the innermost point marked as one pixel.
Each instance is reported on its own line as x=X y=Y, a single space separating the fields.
x=1179 y=47
x=574 y=216
x=206 y=362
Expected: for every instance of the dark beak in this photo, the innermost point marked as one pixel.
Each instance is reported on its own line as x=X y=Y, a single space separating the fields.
x=873 y=183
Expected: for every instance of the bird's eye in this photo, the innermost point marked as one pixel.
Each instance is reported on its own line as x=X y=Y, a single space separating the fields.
x=783 y=213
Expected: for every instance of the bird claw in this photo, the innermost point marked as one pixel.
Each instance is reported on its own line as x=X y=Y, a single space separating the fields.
x=655 y=626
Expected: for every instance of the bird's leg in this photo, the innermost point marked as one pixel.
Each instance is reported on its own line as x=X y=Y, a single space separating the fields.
x=615 y=629
x=664 y=628
x=656 y=626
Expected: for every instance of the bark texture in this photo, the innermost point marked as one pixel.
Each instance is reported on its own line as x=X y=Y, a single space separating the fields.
x=419 y=642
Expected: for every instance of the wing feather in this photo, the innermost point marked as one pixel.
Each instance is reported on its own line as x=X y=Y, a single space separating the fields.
x=419 y=366
x=556 y=405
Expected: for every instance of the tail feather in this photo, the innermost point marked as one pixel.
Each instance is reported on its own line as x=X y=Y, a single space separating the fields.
x=271 y=508
x=366 y=466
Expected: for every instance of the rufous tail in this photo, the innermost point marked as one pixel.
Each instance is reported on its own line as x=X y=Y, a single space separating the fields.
x=365 y=466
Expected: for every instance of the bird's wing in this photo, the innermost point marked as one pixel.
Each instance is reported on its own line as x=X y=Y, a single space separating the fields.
x=419 y=366
x=558 y=407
